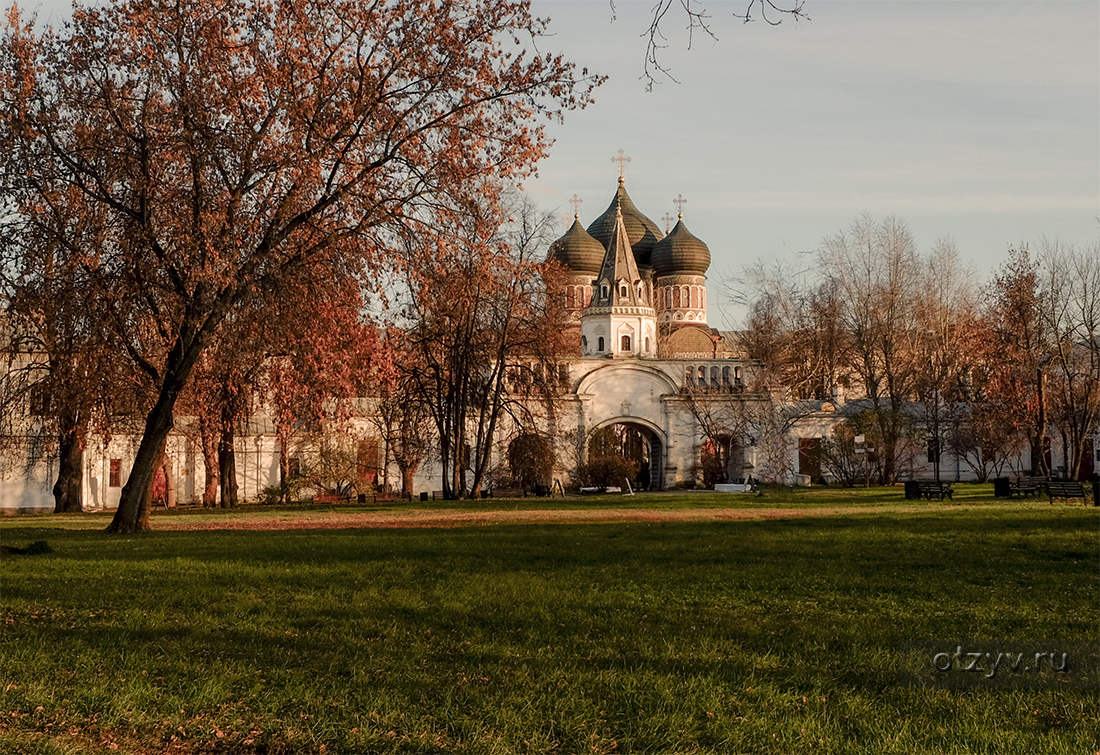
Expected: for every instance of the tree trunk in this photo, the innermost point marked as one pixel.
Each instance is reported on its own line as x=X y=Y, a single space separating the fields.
x=68 y=490
x=408 y=472
x=282 y=432
x=210 y=463
x=1038 y=445
x=227 y=467
x=133 y=507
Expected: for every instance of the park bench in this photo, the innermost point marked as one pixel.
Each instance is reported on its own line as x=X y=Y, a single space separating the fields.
x=508 y=493
x=332 y=498
x=1006 y=487
x=1066 y=489
x=1025 y=486
x=929 y=488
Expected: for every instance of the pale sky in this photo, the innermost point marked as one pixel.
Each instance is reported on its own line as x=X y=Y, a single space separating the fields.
x=977 y=120
x=974 y=120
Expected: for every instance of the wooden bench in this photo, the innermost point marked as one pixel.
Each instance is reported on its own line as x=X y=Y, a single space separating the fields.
x=1025 y=486
x=1066 y=489
x=508 y=493
x=929 y=488
x=332 y=498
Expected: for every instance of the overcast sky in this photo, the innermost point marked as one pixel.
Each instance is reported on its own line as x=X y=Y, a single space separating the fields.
x=974 y=120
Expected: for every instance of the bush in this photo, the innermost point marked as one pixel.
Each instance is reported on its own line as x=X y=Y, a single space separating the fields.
x=606 y=471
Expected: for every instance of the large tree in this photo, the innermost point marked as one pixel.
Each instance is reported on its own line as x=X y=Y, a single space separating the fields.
x=231 y=142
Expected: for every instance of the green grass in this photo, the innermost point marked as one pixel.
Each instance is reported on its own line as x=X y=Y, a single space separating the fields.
x=760 y=635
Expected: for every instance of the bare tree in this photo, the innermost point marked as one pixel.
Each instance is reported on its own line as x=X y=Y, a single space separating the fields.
x=483 y=310
x=698 y=22
x=875 y=269
x=1070 y=310
x=946 y=344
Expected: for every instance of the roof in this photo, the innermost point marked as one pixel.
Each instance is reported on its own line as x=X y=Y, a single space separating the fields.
x=642 y=232
x=578 y=251
x=680 y=252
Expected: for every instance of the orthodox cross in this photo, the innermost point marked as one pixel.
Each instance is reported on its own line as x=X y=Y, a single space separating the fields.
x=622 y=160
x=576 y=202
x=668 y=221
x=566 y=218
x=680 y=202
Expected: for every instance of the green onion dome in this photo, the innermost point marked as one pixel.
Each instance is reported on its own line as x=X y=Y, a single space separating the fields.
x=680 y=252
x=578 y=251
x=642 y=232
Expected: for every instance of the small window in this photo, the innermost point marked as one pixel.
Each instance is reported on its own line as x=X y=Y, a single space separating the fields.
x=599 y=344
x=584 y=343
x=647 y=345
x=115 y=479
x=625 y=343
x=622 y=290
x=603 y=292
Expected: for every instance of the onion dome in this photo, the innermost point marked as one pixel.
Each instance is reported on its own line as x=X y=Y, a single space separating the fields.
x=680 y=252
x=578 y=251
x=642 y=232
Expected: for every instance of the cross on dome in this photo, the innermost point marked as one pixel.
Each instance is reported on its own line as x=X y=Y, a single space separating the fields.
x=576 y=202
x=680 y=202
x=668 y=220
x=622 y=160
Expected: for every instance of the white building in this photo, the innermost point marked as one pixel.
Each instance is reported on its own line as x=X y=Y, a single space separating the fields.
x=646 y=361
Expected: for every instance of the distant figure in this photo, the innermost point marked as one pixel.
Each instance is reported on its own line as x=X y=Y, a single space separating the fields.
x=160 y=488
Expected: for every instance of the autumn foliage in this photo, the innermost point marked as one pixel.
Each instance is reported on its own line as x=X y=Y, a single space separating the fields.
x=223 y=149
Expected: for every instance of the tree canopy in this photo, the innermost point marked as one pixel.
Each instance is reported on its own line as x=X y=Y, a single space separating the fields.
x=223 y=147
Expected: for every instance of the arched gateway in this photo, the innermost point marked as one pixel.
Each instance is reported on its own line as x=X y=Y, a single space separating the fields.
x=641 y=443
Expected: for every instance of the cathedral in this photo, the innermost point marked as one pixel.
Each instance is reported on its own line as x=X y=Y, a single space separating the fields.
x=645 y=355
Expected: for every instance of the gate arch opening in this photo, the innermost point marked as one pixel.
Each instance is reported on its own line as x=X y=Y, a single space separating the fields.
x=635 y=442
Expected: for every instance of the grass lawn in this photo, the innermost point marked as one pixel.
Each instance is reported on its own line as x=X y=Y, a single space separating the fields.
x=677 y=628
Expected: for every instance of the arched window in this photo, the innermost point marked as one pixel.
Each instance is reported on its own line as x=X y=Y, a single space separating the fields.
x=599 y=344
x=676 y=297
x=714 y=376
x=668 y=298
x=603 y=291
x=725 y=376
x=702 y=376
x=622 y=290
x=584 y=344
x=647 y=344
x=737 y=376
x=689 y=378
x=625 y=345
